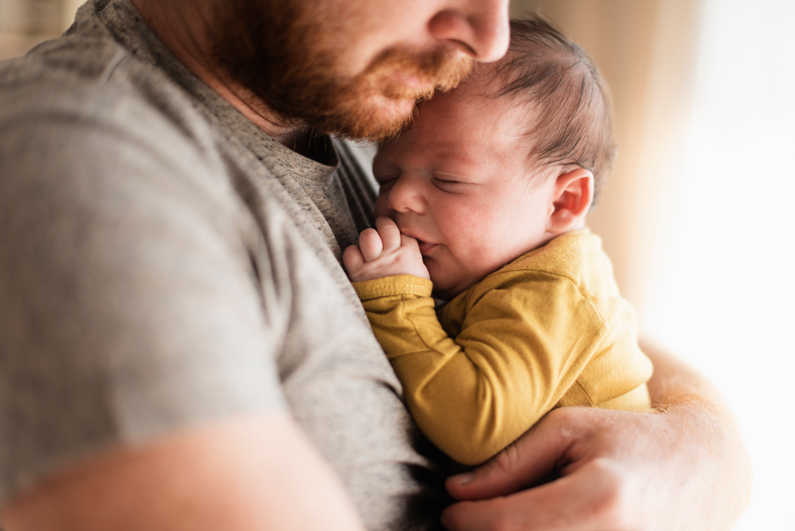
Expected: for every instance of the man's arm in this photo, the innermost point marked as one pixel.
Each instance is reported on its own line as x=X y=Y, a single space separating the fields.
x=247 y=474
x=142 y=314
x=683 y=469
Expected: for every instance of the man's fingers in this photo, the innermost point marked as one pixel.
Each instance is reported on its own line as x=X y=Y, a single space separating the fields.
x=527 y=510
x=586 y=501
x=487 y=515
x=370 y=244
x=531 y=457
x=352 y=259
x=390 y=234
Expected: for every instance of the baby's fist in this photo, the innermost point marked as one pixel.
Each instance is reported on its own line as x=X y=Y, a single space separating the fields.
x=384 y=252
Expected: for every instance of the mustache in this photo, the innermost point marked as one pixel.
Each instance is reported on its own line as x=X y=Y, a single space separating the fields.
x=439 y=69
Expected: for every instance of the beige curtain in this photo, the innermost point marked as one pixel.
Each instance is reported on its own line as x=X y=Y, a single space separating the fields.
x=25 y=23
x=645 y=51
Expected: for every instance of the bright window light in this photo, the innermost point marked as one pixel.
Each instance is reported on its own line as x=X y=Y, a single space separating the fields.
x=725 y=300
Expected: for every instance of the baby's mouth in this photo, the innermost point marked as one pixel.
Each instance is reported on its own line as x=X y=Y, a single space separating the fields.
x=425 y=247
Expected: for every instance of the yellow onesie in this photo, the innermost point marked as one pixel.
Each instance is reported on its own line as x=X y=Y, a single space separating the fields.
x=549 y=329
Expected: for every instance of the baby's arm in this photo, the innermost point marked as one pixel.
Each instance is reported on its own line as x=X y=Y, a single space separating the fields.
x=507 y=367
x=475 y=394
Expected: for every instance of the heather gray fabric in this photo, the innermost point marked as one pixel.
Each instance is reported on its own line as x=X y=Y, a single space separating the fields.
x=164 y=263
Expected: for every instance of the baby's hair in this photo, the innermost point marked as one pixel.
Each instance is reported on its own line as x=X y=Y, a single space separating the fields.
x=568 y=100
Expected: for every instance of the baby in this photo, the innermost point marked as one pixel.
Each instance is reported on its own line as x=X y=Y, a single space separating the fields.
x=483 y=203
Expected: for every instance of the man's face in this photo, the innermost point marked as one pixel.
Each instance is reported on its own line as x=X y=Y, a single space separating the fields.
x=459 y=181
x=355 y=67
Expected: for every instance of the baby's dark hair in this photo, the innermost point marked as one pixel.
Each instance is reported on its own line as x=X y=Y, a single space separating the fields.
x=568 y=100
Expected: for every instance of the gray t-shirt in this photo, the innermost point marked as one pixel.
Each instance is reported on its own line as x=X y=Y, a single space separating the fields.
x=163 y=263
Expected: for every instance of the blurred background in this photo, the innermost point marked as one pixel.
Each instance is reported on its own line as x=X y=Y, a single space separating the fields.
x=697 y=215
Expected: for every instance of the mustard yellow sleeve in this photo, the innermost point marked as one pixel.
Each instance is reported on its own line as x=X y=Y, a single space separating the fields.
x=395 y=305
x=518 y=352
x=469 y=397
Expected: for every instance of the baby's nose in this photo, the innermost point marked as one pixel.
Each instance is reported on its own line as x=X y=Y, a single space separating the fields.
x=406 y=196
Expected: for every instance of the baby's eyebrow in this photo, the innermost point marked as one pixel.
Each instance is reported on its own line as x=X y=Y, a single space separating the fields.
x=458 y=160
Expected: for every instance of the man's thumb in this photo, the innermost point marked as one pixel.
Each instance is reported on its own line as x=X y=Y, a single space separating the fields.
x=522 y=464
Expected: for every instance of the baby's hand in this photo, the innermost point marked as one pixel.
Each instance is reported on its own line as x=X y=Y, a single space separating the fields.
x=382 y=253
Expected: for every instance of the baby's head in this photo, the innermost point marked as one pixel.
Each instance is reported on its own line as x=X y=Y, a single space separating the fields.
x=502 y=164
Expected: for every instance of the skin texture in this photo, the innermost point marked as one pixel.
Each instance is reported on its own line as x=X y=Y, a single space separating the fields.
x=459 y=182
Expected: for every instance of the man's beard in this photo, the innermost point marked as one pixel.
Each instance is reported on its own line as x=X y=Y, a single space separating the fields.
x=278 y=51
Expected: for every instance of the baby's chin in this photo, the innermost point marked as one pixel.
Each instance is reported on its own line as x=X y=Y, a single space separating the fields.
x=449 y=278
x=448 y=285
x=445 y=289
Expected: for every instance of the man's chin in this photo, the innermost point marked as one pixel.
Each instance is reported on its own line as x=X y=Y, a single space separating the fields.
x=378 y=118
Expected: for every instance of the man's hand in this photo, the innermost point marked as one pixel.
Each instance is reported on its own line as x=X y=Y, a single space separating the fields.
x=682 y=469
x=383 y=253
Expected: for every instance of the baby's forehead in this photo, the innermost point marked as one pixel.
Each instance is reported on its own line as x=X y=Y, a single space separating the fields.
x=465 y=132
x=484 y=107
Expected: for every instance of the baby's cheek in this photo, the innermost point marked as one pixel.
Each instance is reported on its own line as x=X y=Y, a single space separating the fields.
x=442 y=275
x=482 y=257
x=476 y=237
x=382 y=206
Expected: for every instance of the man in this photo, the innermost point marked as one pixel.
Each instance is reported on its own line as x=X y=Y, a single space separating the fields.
x=179 y=347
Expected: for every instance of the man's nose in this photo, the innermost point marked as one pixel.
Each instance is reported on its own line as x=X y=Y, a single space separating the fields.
x=479 y=27
x=405 y=197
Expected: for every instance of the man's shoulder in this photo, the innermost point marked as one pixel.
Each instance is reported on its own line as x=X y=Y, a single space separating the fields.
x=72 y=56
x=89 y=77
x=78 y=139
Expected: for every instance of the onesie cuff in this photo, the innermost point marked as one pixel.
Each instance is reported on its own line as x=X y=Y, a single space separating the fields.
x=394 y=285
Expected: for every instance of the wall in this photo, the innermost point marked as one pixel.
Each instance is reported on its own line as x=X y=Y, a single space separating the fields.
x=644 y=51
x=24 y=23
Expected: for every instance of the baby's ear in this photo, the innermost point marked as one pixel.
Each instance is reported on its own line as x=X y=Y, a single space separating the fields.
x=573 y=195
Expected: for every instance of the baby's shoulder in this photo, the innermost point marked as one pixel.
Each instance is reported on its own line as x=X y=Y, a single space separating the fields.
x=573 y=262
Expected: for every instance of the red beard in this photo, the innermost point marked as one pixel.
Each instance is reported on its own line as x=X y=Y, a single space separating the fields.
x=278 y=52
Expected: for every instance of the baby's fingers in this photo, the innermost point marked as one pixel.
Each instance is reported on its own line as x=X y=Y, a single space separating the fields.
x=370 y=244
x=352 y=259
x=390 y=234
x=410 y=242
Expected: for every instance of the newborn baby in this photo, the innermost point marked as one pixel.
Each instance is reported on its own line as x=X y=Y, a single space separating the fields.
x=483 y=203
